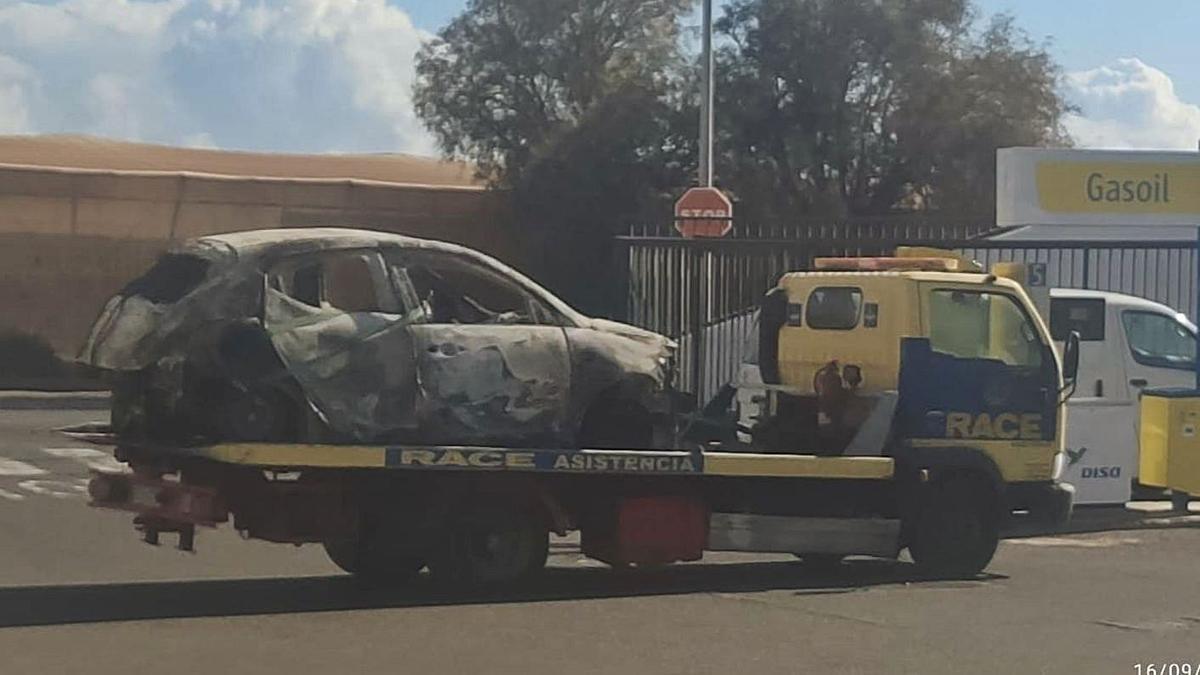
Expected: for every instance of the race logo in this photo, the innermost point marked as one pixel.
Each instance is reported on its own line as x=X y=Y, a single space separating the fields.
x=1004 y=426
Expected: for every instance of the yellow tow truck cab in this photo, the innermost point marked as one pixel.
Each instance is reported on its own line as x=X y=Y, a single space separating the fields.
x=945 y=362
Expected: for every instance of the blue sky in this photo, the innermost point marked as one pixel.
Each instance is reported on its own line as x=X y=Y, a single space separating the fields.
x=336 y=75
x=1088 y=33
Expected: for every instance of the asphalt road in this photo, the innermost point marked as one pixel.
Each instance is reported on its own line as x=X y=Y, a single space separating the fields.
x=80 y=594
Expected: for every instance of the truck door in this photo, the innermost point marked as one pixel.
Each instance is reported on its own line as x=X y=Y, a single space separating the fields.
x=340 y=329
x=492 y=363
x=983 y=376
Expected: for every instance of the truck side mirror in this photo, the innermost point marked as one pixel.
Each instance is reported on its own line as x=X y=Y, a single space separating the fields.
x=1070 y=366
x=771 y=317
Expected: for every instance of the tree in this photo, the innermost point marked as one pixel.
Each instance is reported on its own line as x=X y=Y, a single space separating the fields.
x=572 y=105
x=844 y=107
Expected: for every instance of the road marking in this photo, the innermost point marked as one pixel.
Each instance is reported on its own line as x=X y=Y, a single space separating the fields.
x=55 y=488
x=13 y=467
x=1103 y=541
x=91 y=457
x=11 y=496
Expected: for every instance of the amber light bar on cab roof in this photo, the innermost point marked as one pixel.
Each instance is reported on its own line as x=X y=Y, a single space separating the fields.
x=886 y=263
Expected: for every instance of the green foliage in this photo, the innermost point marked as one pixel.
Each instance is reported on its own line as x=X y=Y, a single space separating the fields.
x=509 y=80
x=569 y=103
x=837 y=107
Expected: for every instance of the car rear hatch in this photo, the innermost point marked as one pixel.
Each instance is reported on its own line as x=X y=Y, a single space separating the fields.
x=124 y=335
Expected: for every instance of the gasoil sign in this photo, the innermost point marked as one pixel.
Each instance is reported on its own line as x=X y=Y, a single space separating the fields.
x=1118 y=187
x=1056 y=186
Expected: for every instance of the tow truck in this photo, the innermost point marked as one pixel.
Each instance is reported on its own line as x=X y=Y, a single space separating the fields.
x=889 y=403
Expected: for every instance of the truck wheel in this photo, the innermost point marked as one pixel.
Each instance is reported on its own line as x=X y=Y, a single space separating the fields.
x=487 y=546
x=956 y=530
x=375 y=558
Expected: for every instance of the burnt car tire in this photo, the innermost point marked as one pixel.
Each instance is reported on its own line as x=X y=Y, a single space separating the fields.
x=490 y=545
x=957 y=528
x=256 y=415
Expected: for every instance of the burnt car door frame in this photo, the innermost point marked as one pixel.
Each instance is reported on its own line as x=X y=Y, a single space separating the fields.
x=355 y=366
x=483 y=376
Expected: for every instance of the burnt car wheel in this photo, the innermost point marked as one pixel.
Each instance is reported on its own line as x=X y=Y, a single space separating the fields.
x=256 y=415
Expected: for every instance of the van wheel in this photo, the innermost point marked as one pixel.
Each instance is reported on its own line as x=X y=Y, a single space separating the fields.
x=490 y=545
x=956 y=530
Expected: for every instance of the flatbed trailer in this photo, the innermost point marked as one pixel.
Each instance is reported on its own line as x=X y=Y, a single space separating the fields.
x=482 y=514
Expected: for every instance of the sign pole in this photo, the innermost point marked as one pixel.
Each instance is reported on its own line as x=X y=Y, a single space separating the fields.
x=1196 y=290
x=706 y=98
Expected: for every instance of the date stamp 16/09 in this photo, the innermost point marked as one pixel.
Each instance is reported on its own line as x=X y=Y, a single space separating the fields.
x=1167 y=668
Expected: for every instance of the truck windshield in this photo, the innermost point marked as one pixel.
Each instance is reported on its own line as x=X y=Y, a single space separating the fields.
x=971 y=324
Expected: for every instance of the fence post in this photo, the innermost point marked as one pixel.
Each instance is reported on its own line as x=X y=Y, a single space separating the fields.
x=696 y=326
x=618 y=304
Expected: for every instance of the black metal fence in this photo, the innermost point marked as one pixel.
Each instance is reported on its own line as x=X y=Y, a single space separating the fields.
x=702 y=291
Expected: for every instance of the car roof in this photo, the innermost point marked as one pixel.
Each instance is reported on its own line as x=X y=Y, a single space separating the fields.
x=250 y=243
x=259 y=246
x=1112 y=297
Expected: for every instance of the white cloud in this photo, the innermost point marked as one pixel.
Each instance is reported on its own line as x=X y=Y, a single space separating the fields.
x=1129 y=104
x=302 y=75
x=16 y=83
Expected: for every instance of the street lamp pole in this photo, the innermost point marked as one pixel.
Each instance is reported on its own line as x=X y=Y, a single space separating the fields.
x=706 y=98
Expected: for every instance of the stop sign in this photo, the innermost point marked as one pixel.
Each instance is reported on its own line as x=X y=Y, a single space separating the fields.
x=703 y=212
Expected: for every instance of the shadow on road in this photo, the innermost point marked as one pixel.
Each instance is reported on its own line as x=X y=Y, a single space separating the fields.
x=51 y=605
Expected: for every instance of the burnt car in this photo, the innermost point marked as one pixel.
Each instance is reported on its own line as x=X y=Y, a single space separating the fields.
x=346 y=335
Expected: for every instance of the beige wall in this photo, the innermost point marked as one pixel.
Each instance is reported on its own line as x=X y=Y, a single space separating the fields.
x=71 y=238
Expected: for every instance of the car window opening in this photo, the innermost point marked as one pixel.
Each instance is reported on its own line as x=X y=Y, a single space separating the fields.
x=173 y=276
x=456 y=293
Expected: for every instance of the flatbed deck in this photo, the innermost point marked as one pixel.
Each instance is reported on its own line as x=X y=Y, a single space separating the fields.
x=294 y=456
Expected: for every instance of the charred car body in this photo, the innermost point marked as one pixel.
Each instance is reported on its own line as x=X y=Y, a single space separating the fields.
x=343 y=335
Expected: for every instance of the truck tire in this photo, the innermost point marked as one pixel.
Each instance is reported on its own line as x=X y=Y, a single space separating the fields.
x=957 y=528
x=490 y=545
x=374 y=557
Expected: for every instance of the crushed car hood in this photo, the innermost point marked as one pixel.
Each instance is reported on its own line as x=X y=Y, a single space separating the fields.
x=632 y=332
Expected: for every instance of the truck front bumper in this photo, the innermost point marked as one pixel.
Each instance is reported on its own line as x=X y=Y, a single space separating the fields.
x=1049 y=503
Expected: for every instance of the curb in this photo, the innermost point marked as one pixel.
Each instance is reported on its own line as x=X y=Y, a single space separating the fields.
x=54 y=400
x=1109 y=520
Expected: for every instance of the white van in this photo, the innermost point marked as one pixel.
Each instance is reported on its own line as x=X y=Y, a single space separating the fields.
x=1127 y=344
